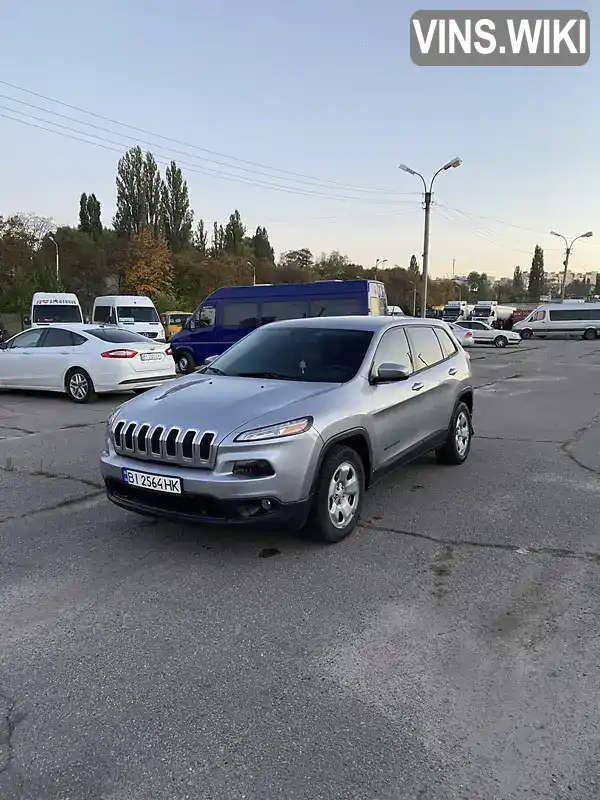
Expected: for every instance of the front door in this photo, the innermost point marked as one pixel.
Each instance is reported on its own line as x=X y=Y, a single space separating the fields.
x=51 y=358
x=17 y=362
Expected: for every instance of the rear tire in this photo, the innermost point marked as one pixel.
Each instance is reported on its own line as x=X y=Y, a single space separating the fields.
x=186 y=363
x=500 y=341
x=526 y=334
x=589 y=335
x=457 y=446
x=79 y=386
x=339 y=496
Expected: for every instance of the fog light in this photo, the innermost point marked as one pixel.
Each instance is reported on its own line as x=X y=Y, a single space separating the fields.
x=267 y=504
x=253 y=469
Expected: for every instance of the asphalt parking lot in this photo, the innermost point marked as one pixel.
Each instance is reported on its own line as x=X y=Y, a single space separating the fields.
x=447 y=651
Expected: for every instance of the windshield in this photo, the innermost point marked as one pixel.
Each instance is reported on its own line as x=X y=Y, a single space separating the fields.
x=482 y=311
x=58 y=313
x=316 y=355
x=137 y=314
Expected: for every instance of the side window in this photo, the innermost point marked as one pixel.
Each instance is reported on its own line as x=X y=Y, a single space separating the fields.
x=538 y=316
x=474 y=326
x=274 y=310
x=102 y=313
x=448 y=346
x=205 y=317
x=335 y=307
x=393 y=349
x=29 y=338
x=77 y=339
x=239 y=314
x=58 y=337
x=425 y=346
x=594 y=313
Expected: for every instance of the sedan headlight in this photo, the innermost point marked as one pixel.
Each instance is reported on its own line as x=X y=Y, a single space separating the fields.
x=279 y=431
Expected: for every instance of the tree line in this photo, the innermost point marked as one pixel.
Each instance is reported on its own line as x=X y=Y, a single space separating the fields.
x=155 y=247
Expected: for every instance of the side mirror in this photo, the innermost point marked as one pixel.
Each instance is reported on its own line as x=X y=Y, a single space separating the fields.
x=3 y=346
x=209 y=360
x=390 y=373
x=191 y=324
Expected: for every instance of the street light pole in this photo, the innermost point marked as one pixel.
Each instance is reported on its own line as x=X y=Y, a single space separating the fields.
x=456 y=162
x=253 y=267
x=52 y=239
x=378 y=262
x=568 y=249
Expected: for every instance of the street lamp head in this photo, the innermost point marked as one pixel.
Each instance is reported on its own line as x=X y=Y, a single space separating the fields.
x=404 y=168
x=554 y=233
x=456 y=162
x=52 y=239
x=588 y=234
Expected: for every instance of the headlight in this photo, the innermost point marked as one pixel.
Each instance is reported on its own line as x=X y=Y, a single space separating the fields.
x=283 y=429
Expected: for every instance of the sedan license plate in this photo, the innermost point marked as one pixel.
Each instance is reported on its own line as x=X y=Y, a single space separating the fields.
x=156 y=483
x=151 y=356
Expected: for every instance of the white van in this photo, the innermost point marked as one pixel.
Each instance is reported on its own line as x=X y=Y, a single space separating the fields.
x=562 y=319
x=130 y=312
x=54 y=307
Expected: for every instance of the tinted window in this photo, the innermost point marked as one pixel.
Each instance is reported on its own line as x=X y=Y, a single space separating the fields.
x=102 y=313
x=205 y=317
x=178 y=319
x=336 y=307
x=316 y=355
x=283 y=309
x=116 y=335
x=137 y=314
x=426 y=348
x=448 y=346
x=239 y=314
x=564 y=314
x=77 y=339
x=594 y=313
x=393 y=349
x=28 y=338
x=58 y=313
x=57 y=337
x=473 y=326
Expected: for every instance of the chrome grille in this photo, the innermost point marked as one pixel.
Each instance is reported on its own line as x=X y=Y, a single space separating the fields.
x=171 y=445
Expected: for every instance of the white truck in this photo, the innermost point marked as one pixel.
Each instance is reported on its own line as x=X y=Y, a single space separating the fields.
x=456 y=310
x=49 y=308
x=495 y=315
x=130 y=312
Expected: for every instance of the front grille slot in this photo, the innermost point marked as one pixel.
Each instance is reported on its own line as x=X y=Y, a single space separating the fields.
x=118 y=431
x=128 y=438
x=155 y=440
x=205 y=443
x=171 y=442
x=141 y=438
x=187 y=445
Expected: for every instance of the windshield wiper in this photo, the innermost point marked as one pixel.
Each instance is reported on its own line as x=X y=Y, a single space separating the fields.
x=214 y=370
x=275 y=376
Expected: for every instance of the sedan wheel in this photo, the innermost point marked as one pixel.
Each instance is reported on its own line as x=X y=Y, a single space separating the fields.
x=500 y=341
x=79 y=386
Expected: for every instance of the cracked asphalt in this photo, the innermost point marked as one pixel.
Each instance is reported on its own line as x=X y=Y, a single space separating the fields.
x=446 y=651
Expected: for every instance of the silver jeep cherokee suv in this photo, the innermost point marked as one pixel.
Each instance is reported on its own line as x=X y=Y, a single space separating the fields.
x=291 y=424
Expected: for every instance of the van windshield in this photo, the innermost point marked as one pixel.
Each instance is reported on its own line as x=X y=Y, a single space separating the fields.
x=316 y=355
x=137 y=314
x=56 y=313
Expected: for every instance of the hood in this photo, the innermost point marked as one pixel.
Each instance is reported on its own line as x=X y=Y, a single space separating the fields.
x=223 y=404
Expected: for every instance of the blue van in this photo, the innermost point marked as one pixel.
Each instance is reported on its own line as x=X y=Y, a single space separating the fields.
x=230 y=313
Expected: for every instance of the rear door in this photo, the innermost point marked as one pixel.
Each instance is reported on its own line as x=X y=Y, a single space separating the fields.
x=17 y=364
x=430 y=380
x=51 y=358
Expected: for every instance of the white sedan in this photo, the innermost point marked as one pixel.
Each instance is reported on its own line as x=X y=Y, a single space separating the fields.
x=83 y=360
x=465 y=338
x=485 y=334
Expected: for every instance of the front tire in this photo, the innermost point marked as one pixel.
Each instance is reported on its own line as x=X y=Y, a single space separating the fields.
x=526 y=334
x=79 y=386
x=500 y=341
x=186 y=363
x=457 y=446
x=589 y=334
x=339 y=496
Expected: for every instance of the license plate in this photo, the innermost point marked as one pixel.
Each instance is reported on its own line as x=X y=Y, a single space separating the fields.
x=151 y=356
x=156 y=483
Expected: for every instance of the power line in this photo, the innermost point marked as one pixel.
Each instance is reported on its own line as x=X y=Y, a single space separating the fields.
x=321 y=181
x=165 y=159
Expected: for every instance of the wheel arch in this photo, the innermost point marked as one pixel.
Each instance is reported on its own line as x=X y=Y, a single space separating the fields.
x=356 y=438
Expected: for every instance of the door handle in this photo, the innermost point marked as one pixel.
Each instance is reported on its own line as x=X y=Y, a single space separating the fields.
x=452 y=371
x=64 y=352
x=416 y=387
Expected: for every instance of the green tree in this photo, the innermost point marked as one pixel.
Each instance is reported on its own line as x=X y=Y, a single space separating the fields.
x=201 y=238
x=176 y=212
x=298 y=259
x=218 y=239
x=152 y=184
x=149 y=270
x=261 y=246
x=131 y=213
x=84 y=215
x=536 y=275
x=234 y=235
x=413 y=267
x=94 y=216
x=518 y=284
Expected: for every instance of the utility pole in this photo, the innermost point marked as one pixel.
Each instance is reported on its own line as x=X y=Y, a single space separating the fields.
x=378 y=262
x=52 y=239
x=453 y=268
x=253 y=268
x=456 y=162
x=568 y=250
